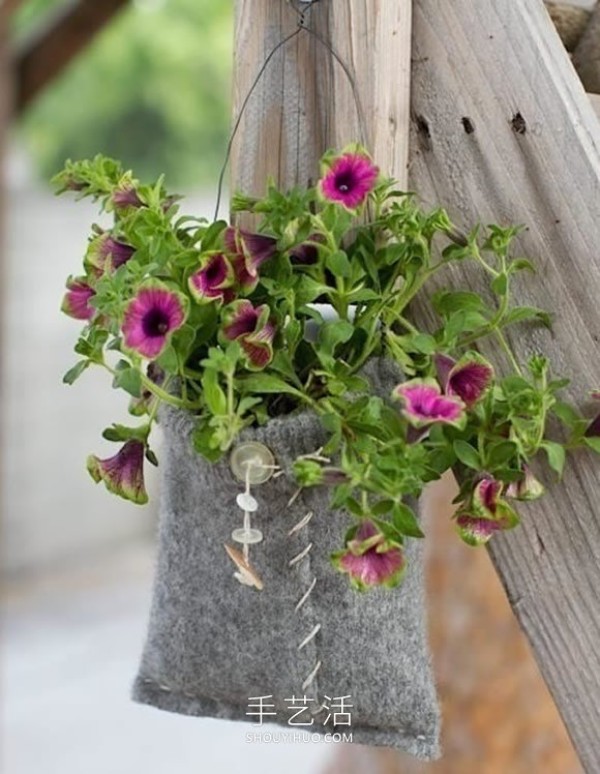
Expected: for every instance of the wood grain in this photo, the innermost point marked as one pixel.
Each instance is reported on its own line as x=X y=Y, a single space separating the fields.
x=304 y=103
x=493 y=62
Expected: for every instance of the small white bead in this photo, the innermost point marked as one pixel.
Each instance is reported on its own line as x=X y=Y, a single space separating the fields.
x=246 y=502
x=247 y=536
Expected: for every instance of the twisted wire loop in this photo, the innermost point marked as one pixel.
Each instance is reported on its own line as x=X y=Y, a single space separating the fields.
x=302 y=9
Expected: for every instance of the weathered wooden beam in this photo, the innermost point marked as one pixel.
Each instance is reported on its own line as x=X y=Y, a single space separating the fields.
x=50 y=49
x=529 y=153
x=304 y=104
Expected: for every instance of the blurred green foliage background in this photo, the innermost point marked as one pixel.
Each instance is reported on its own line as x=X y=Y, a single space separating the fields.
x=152 y=89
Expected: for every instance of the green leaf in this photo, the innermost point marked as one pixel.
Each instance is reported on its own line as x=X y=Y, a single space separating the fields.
x=267 y=383
x=499 y=453
x=121 y=433
x=338 y=263
x=129 y=379
x=169 y=360
x=213 y=393
x=75 y=372
x=424 y=343
x=381 y=507
x=333 y=333
x=593 y=443
x=521 y=264
x=567 y=414
x=151 y=457
x=526 y=313
x=467 y=454
x=212 y=233
x=556 y=456
x=446 y=301
x=500 y=284
x=405 y=521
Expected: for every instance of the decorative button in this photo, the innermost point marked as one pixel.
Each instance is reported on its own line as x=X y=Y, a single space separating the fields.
x=247 y=536
x=247 y=502
x=252 y=462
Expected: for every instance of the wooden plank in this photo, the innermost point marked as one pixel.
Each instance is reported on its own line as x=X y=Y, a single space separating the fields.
x=45 y=55
x=304 y=104
x=595 y=100
x=532 y=157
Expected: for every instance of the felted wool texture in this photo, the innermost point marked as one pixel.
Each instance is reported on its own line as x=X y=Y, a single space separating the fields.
x=212 y=643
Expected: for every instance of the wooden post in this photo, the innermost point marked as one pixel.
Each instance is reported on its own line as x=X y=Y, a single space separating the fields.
x=529 y=153
x=304 y=103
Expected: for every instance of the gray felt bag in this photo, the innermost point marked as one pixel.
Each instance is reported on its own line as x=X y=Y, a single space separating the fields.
x=215 y=646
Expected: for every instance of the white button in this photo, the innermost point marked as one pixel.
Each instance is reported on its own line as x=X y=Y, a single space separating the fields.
x=247 y=536
x=246 y=502
x=252 y=460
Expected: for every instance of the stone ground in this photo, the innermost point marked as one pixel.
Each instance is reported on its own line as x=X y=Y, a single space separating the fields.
x=71 y=642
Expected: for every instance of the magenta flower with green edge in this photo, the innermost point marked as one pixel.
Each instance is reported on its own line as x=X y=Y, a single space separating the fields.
x=252 y=328
x=122 y=474
x=151 y=317
x=248 y=252
x=349 y=179
x=76 y=300
x=107 y=254
x=126 y=197
x=487 y=503
x=474 y=530
x=213 y=280
x=370 y=560
x=469 y=378
x=527 y=488
x=307 y=254
x=424 y=404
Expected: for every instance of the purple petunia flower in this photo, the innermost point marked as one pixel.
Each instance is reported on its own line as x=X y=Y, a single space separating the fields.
x=248 y=252
x=469 y=378
x=213 y=280
x=371 y=560
x=527 y=488
x=151 y=317
x=107 y=254
x=122 y=474
x=76 y=300
x=307 y=253
x=424 y=404
x=349 y=179
x=252 y=328
x=486 y=513
x=125 y=197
